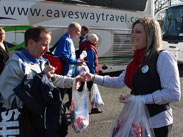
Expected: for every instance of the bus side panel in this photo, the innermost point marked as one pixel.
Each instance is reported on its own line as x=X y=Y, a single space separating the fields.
x=111 y=25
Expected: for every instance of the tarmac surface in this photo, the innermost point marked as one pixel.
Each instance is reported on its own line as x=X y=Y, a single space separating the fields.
x=99 y=124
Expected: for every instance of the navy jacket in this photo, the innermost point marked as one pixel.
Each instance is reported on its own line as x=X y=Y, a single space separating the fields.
x=44 y=102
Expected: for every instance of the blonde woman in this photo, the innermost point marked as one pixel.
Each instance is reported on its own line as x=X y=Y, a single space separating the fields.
x=153 y=74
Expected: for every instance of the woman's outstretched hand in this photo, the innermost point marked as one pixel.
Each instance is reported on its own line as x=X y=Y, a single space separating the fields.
x=77 y=84
x=85 y=77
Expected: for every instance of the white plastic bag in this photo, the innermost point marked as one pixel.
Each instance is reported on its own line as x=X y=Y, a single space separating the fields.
x=83 y=54
x=83 y=68
x=96 y=99
x=79 y=109
x=133 y=120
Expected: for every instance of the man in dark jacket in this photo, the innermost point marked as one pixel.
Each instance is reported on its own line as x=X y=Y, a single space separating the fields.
x=32 y=102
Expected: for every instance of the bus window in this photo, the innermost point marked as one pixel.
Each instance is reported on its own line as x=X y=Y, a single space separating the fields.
x=173 y=24
x=136 y=5
x=181 y=26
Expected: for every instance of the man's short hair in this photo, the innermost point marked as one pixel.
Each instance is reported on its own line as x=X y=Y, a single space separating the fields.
x=34 y=33
x=74 y=25
x=86 y=28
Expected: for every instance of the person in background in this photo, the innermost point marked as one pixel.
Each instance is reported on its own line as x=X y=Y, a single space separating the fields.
x=153 y=74
x=4 y=54
x=65 y=50
x=84 y=33
x=90 y=46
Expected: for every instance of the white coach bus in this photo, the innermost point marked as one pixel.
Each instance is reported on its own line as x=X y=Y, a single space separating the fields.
x=171 y=20
x=111 y=20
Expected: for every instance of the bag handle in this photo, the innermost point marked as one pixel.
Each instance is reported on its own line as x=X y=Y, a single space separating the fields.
x=52 y=48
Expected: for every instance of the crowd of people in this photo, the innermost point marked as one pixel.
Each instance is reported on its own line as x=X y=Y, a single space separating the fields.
x=152 y=74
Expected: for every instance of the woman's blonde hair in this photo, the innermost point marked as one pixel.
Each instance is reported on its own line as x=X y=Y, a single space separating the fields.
x=2 y=30
x=153 y=38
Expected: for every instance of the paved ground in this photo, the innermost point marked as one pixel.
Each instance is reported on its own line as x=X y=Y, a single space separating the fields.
x=99 y=125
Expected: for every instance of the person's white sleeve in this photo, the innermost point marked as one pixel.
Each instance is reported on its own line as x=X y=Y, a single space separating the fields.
x=170 y=81
x=62 y=81
x=111 y=82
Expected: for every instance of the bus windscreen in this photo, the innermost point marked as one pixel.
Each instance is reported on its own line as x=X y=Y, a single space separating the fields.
x=173 y=24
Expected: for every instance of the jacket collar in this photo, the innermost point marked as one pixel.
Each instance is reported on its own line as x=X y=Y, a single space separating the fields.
x=30 y=58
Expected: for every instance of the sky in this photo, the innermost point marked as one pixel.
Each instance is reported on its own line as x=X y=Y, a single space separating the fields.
x=175 y=1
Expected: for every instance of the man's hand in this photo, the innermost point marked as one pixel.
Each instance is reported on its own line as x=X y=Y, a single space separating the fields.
x=77 y=84
x=50 y=71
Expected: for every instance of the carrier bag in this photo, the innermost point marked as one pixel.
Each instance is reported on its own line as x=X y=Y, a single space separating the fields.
x=82 y=68
x=133 y=121
x=96 y=99
x=55 y=62
x=79 y=109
